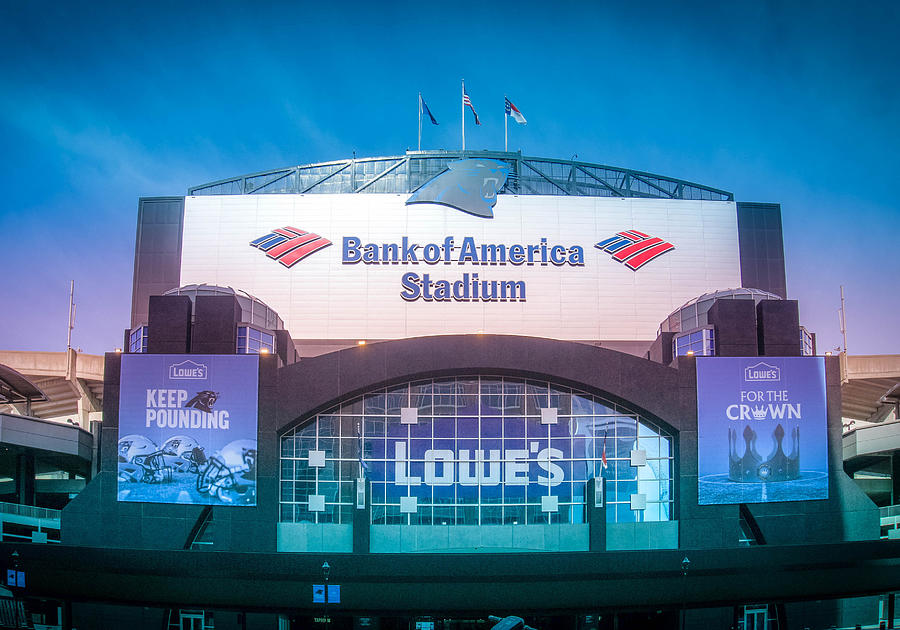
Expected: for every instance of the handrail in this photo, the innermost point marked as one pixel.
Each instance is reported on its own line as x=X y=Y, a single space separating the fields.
x=29 y=511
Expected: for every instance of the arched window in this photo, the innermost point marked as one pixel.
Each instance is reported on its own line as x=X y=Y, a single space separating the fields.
x=476 y=450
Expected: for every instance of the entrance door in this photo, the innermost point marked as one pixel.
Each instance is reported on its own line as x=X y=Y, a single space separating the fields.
x=192 y=620
x=756 y=617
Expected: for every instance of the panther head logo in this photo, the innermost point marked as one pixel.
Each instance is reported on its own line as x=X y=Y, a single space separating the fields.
x=203 y=401
x=469 y=185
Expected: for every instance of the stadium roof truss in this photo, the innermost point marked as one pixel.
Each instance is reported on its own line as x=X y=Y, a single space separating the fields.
x=407 y=173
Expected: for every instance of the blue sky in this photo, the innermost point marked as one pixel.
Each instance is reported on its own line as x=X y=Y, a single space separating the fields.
x=102 y=103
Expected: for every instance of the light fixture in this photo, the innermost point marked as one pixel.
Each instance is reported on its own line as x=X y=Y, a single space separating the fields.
x=828 y=354
x=264 y=351
x=361 y=342
x=118 y=350
x=326 y=570
x=690 y=353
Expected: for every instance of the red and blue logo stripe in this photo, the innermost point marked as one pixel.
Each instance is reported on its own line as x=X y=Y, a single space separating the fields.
x=634 y=249
x=288 y=245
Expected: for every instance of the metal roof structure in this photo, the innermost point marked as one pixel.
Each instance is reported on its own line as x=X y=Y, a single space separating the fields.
x=405 y=174
x=17 y=388
x=870 y=386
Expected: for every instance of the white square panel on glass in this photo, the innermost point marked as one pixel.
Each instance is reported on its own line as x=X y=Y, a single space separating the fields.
x=409 y=415
x=549 y=415
x=316 y=459
x=408 y=505
x=639 y=458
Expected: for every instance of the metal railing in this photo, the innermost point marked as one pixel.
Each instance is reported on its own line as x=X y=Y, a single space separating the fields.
x=29 y=511
x=890 y=521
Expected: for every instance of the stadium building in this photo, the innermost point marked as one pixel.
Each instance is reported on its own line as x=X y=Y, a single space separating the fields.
x=415 y=391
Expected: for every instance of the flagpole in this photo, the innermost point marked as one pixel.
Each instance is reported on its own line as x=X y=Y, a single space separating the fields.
x=505 y=125
x=420 y=121
x=462 y=110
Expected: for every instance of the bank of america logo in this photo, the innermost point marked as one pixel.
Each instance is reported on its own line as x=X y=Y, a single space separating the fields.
x=634 y=248
x=288 y=245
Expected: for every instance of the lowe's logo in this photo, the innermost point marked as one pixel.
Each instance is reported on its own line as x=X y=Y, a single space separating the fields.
x=634 y=249
x=288 y=245
x=188 y=370
x=762 y=372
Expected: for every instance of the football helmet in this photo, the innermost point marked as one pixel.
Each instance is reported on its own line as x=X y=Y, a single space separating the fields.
x=230 y=474
x=184 y=454
x=140 y=460
x=130 y=446
x=153 y=468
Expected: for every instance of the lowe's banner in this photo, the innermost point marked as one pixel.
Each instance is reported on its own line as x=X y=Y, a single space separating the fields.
x=761 y=429
x=187 y=429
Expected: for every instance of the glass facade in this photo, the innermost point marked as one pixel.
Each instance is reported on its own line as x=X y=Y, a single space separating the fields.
x=701 y=342
x=253 y=341
x=476 y=451
x=693 y=314
x=253 y=310
x=137 y=340
x=807 y=347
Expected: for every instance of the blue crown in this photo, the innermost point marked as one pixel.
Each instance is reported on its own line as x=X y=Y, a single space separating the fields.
x=751 y=468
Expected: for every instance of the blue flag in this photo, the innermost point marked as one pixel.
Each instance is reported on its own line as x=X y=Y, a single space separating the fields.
x=428 y=111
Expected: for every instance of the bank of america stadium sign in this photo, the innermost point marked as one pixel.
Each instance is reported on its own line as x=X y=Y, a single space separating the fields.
x=289 y=245
x=355 y=266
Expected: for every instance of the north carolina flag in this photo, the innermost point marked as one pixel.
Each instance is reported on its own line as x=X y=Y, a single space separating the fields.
x=512 y=110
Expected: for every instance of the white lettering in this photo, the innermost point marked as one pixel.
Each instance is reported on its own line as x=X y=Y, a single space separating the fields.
x=545 y=458
x=471 y=468
x=400 y=467
x=492 y=478
x=517 y=467
x=445 y=457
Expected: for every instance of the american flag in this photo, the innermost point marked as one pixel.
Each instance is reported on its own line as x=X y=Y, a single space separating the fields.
x=468 y=102
x=603 y=456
